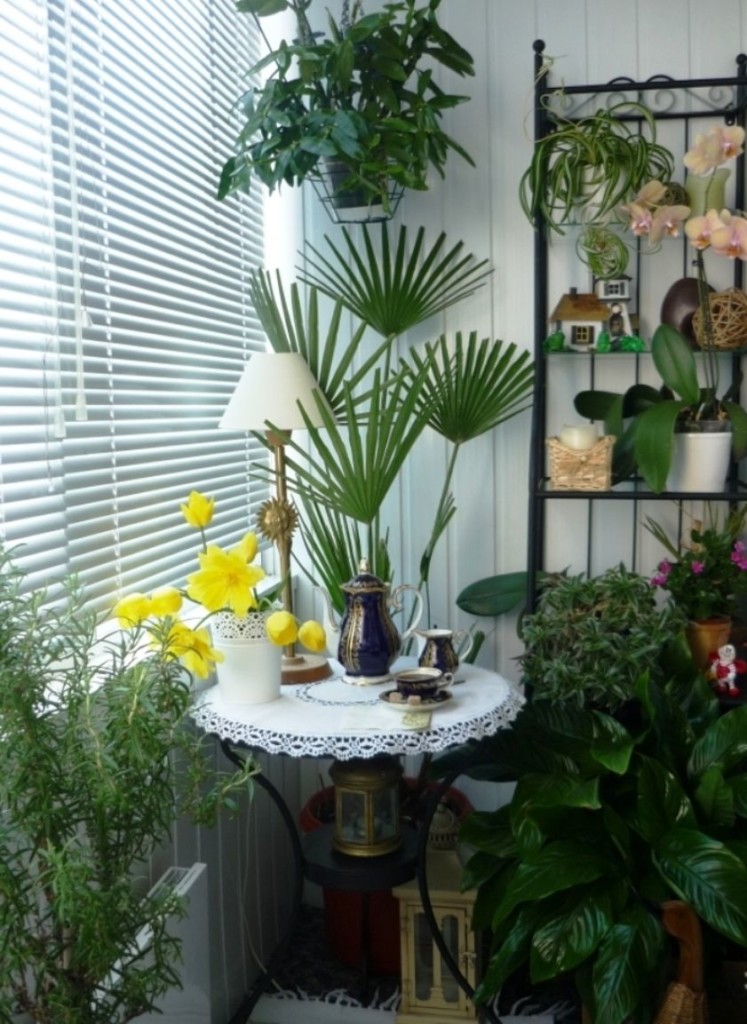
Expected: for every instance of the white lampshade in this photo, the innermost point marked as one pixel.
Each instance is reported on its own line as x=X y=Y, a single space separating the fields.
x=269 y=390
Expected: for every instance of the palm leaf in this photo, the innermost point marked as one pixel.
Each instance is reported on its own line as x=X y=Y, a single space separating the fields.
x=391 y=290
x=480 y=386
x=351 y=469
x=290 y=329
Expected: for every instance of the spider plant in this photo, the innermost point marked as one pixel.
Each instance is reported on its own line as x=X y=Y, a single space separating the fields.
x=589 y=166
x=388 y=289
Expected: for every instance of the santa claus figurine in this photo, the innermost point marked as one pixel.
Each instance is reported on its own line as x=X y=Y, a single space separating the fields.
x=724 y=668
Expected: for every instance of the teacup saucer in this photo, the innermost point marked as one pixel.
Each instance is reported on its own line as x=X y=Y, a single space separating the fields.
x=422 y=704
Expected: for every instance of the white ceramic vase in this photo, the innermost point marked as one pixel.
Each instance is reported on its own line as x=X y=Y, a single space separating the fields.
x=700 y=461
x=251 y=667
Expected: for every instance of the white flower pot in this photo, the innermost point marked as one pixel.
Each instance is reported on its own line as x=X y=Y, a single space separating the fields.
x=700 y=461
x=251 y=669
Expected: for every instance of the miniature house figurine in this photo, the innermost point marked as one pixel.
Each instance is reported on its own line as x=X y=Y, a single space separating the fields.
x=581 y=316
x=615 y=292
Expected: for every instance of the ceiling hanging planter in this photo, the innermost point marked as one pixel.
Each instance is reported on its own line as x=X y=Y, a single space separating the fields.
x=353 y=205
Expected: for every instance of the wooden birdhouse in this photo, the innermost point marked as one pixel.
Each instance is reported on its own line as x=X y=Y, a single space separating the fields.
x=581 y=317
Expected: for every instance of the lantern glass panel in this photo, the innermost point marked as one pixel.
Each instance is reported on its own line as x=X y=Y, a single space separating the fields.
x=450 y=932
x=385 y=814
x=423 y=959
x=353 y=817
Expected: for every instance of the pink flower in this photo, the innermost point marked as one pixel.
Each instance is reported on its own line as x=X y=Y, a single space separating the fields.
x=709 y=151
x=698 y=568
x=641 y=218
x=700 y=229
x=667 y=222
x=739 y=555
x=731 y=238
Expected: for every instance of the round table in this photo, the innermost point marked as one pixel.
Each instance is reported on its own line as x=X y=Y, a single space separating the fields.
x=341 y=720
x=337 y=719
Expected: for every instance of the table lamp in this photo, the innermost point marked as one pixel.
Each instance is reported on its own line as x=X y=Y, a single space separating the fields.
x=268 y=391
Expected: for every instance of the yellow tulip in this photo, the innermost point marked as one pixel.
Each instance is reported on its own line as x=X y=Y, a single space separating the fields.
x=199 y=510
x=312 y=635
x=193 y=648
x=282 y=628
x=132 y=610
x=224 y=580
x=248 y=547
x=166 y=601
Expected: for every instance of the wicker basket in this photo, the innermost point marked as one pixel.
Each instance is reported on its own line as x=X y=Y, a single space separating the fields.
x=728 y=317
x=572 y=469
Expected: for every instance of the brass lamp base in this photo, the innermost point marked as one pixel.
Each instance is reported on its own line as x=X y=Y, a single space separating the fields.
x=304 y=668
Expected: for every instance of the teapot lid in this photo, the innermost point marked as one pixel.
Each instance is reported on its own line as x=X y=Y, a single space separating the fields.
x=365 y=582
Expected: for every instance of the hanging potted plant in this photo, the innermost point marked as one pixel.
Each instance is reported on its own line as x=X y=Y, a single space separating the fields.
x=583 y=169
x=357 y=109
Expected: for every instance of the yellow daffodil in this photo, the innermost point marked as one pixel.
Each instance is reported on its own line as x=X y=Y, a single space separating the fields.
x=312 y=635
x=193 y=648
x=166 y=601
x=224 y=580
x=198 y=510
x=248 y=547
x=132 y=610
x=282 y=628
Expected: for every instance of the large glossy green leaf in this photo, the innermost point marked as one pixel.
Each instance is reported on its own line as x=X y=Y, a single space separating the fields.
x=558 y=866
x=653 y=443
x=595 y=741
x=490 y=832
x=504 y=757
x=626 y=960
x=491 y=893
x=601 y=405
x=661 y=802
x=573 y=933
x=724 y=743
x=612 y=745
x=738 y=786
x=494 y=595
x=715 y=798
x=706 y=874
x=674 y=359
x=511 y=951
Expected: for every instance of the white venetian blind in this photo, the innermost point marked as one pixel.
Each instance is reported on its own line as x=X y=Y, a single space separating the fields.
x=124 y=320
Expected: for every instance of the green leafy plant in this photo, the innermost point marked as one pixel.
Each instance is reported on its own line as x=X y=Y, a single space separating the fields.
x=646 y=440
x=589 y=166
x=605 y=825
x=96 y=762
x=591 y=638
x=363 y=96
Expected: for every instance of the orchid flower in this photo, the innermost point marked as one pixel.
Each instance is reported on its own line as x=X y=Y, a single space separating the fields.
x=667 y=222
x=700 y=229
x=730 y=238
x=710 y=151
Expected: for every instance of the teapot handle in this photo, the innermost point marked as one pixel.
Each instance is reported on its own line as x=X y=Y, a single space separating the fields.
x=396 y=605
x=463 y=637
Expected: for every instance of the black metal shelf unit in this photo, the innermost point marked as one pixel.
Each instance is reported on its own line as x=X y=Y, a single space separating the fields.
x=683 y=101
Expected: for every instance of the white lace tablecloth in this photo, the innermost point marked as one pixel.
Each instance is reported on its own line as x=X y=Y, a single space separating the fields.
x=337 y=719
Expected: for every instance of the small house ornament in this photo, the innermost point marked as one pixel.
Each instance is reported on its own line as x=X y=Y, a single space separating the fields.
x=615 y=293
x=581 y=316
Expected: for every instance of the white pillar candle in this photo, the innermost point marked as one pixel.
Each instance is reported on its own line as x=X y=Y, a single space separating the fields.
x=579 y=436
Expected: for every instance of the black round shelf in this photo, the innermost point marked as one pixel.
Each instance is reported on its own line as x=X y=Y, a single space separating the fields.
x=327 y=866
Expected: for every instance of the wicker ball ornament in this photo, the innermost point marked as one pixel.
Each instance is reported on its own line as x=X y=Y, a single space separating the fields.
x=728 y=319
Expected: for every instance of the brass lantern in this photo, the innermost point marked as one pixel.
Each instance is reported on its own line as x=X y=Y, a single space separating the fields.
x=367 y=805
x=430 y=992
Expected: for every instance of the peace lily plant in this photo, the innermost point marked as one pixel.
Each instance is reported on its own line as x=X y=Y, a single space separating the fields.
x=226 y=581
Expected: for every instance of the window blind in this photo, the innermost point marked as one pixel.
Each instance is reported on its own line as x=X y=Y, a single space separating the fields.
x=124 y=321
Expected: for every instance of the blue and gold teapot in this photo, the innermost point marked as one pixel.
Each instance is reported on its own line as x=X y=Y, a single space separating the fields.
x=368 y=638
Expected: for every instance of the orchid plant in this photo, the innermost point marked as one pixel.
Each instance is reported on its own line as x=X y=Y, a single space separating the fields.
x=226 y=581
x=648 y=441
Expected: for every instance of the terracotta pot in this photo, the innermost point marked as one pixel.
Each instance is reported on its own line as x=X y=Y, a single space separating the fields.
x=706 y=636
